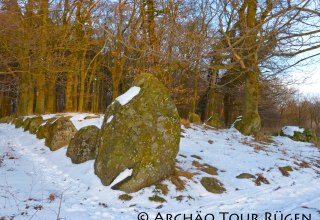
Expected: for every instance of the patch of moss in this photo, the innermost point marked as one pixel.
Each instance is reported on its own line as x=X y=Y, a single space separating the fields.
x=212 y=185
x=125 y=197
x=245 y=176
x=157 y=198
x=179 y=198
x=210 y=169
x=205 y=168
x=197 y=157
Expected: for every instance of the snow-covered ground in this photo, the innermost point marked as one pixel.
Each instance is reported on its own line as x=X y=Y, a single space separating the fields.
x=36 y=183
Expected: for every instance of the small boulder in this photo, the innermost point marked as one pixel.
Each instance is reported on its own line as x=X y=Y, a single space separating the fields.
x=35 y=124
x=18 y=122
x=140 y=132
x=6 y=120
x=212 y=185
x=83 y=146
x=60 y=133
x=26 y=124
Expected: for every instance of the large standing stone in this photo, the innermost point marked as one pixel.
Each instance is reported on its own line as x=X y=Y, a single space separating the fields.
x=60 y=133
x=83 y=146
x=141 y=134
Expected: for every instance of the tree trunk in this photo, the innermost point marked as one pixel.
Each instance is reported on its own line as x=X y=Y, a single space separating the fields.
x=40 y=95
x=251 y=122
x=30 y=96
x=212 y=117
x=68 y=92
x=251 y=119
x=51 y=95
x=228 y=104
x=75 y=93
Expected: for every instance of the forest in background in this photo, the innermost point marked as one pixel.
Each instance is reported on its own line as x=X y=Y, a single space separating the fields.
x=219 y=59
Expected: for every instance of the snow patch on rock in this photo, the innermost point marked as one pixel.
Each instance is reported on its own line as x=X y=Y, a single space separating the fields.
x=130 y=94
x=122 y=176
x=289 y=130
x=109 y=119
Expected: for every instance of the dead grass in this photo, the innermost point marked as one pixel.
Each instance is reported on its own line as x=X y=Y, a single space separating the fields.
x=263 y=138
x=302 y=164
x=261 y=179
x=285 y=170
x=185 y=174
x=177 y=181
x=179 y=184
x=205 y=168
x=52 y=197
x=163 y=188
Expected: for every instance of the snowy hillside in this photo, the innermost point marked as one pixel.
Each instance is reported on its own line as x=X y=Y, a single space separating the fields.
x=36 y=183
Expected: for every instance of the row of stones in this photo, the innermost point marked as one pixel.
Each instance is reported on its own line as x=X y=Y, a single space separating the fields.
x=59 y=132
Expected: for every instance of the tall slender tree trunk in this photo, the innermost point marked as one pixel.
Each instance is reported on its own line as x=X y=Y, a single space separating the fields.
x=195 y=90
x=40 y=95
x=212 y=117
x=42 y=60
x=75 y=92
x=51 y=95
x=30 y=97
x=69 y=92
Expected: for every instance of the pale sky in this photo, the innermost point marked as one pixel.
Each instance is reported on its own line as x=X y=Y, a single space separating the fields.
x=312 y=84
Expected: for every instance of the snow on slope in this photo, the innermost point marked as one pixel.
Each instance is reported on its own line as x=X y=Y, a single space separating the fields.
x=34 y=180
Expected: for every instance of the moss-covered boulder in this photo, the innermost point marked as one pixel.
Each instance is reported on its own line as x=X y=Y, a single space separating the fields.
x=194 y=118
x=60 y=133
x=212 y=185
x=6 y=120
x=18 y=122
x=141 y=132
x=26 y=124
x=300 y=134
x=84 y=145
x=43 y=130
x=35 y=124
